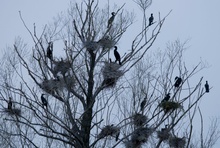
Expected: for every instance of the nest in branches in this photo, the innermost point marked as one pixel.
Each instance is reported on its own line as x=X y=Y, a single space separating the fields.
x=109 y=130
x=61 y=67
x=170 y=106
x=139 y=137
x=52 y=84
x=91 y=45
x=69 y=81
x=13 y=111
x=176 y=142
x=164 y=134
x=111 y=73
x=106 y=42
x=139 y=119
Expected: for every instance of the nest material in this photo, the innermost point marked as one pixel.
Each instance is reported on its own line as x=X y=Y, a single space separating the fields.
x=140 y=136
x=61 y=67
x=109 y=130
x=69 y=81
x=106 y=42
x=51 y=85
x=139 y=119
x=176 y=142
x=91 y=45
x=164 y=134
x=13 y=111
x=111 y=73
x=170 y=106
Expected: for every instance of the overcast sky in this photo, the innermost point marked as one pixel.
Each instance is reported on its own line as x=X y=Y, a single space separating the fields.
x=196 y=20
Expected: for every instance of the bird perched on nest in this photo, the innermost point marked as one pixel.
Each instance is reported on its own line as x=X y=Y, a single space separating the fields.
x=43 y=100
x=111 y=19
x=206 y=87
x=10 y=103
x=151 y=19
x=50 y=50
x=117 y=55
x=143 y=103
x=166 y=98
x=178 y=81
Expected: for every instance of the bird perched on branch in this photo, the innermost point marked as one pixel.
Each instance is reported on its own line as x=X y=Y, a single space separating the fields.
x=117 y=55
x=166 y=98
x=178 y=81
x=111 y=19
x=143 y=103
x=10 y=103
x=151 y=19
x=43 y=100
x=206 y=87
x=50 y=50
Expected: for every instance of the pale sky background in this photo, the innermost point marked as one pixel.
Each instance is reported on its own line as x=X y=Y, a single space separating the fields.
x=196 y=20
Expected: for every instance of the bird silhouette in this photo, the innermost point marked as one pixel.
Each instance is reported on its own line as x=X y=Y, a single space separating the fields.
x=166 y=98
x=50 y=50
x=151 y=19
x=206 y=87
x=117 y=55
x=43 y=100
x=178 y=81
x=143 y=103
x=111 y=19
x=10 y=103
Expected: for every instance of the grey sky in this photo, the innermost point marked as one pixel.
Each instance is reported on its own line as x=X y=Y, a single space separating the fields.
x=196 y=20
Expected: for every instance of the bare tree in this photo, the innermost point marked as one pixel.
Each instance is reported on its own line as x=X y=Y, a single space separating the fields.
x=68 y=91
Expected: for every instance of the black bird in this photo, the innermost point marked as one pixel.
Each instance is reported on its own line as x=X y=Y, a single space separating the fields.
x=117 y=55
x=9 y=103
x=111 y=19
x=44 y=101
x=206 y=87
x=143 y=103
x=151 y=19
x=166 y=98
x=178 y=81
x=117 y=136
x=50 y=50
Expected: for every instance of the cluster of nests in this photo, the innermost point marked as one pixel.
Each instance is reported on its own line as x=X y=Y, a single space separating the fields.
x=109 y=130
x=173 y=141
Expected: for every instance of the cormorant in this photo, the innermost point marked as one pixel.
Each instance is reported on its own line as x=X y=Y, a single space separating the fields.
x=50 y=50
x=9 y=103
x=117 y=136
x=166 y=98
x=143 y=103
x=111 y=19
x=117 y=55
x=206 y=87
x=44 y=101
x=151 y=19
x=178 y=81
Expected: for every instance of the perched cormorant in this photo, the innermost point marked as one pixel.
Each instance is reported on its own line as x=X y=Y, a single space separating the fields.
x=151 y=19
x=178 y=81
x=117 y=55
x=9 y=103
x=117 y=136
x=50 y=50
x=206 y=87
x=143 y=103
x=111 y=19
x=44 y=101
x=166 y=98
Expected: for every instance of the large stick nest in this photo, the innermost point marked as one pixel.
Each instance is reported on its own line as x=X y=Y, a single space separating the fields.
x=170 y=106
x=111 y=73
x=91 y=45
x=109 y=130
x=176 y=142
x=61 y=67
x=163 y=134
x=139 y=119
x=106 y=42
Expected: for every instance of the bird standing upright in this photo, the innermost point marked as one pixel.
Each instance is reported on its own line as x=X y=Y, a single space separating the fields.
x=117 y=55
x=143 y=103
x=178 y=81
x=151 y=19
x=206 y=87
x=43 y=100
x=166 y=98
x=10 y=103
x=50 y=50
x=111 y=19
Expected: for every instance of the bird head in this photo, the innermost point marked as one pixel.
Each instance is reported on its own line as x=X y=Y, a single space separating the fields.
x=115 y=47
x=113 y=13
